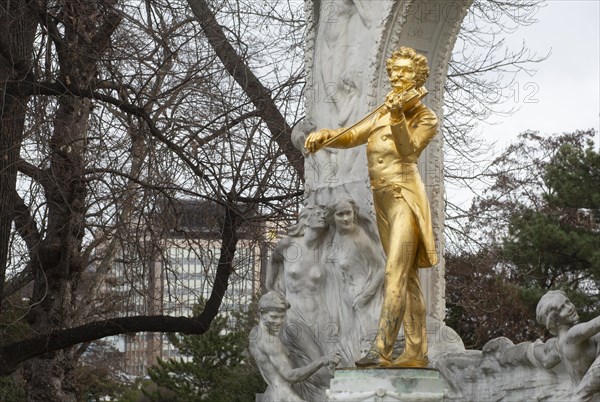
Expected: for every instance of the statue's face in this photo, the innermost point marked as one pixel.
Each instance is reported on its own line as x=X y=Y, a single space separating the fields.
x=273 y=320
x=344 y=216
x=566 y=313
x=317 y=219
x=402 y=74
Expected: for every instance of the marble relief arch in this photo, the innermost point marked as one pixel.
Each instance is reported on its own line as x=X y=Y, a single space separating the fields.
x=348 y=42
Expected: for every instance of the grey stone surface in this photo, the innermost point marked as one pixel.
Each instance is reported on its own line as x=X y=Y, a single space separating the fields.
x=563 y=368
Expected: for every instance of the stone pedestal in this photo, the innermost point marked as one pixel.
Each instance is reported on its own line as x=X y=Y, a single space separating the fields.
x=387 y=384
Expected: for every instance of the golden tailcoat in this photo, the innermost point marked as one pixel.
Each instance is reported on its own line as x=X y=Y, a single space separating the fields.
x=393 y=149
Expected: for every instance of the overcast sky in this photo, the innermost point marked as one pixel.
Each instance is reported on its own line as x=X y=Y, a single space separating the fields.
x=564 y=94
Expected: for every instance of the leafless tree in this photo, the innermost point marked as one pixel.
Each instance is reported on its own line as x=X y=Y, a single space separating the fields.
x=481 y=86
x=111 y=111
x=116 y=111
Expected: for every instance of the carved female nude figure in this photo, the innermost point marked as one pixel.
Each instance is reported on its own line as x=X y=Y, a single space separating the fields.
x=297 y=271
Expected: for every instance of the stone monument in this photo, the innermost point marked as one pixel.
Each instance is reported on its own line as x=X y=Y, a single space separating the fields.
x=348 y=42
x=298 y=271
x=577 y=345
x=331 y=266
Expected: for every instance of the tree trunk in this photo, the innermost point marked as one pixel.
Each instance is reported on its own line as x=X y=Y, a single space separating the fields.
x=59 y=262
x=17 y=30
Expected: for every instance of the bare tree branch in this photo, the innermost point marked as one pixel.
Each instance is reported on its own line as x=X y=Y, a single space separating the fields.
x=250 y=84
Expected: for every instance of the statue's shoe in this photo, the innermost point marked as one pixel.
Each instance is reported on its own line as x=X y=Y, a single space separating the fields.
x=404 y=361
x=373 y=359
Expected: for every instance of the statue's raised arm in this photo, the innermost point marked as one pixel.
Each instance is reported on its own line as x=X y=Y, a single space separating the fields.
x=274 y=277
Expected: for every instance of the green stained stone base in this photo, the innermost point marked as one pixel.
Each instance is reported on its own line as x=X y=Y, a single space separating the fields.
x=387 y=384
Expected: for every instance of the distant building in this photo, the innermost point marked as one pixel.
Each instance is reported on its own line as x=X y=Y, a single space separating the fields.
x=180 y=274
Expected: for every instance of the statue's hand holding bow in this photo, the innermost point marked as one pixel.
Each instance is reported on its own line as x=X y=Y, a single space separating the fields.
x=394 y=102
x=315 y=140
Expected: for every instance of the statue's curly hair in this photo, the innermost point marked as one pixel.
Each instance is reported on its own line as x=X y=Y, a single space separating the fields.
x=272 y=301
x=422 y=69
x=299 y=228
x=548 y=307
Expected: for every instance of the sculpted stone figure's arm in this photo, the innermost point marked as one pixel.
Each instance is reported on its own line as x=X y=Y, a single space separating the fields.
x=365 y=11
x=413 y=139
x=274 y=278
x=276 y=362
x=302 y=373
x=584 y=331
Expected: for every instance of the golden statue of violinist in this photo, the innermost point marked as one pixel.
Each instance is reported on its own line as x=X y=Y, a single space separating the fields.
x=396 y=133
